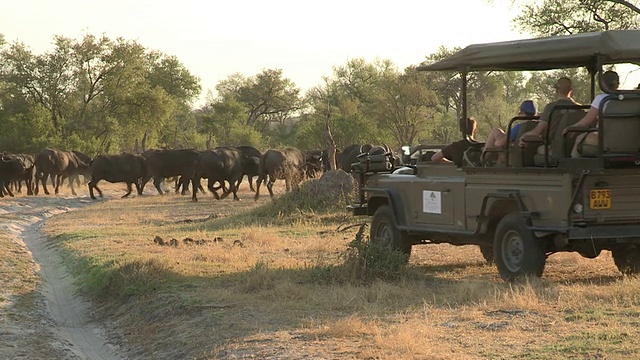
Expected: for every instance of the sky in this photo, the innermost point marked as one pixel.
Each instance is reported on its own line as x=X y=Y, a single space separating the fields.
x=215 y=39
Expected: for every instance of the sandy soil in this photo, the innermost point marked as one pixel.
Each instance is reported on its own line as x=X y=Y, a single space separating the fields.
x=55 y=322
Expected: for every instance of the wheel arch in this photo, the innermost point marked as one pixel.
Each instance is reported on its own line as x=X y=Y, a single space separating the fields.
x=389 y=197
x=495 y=207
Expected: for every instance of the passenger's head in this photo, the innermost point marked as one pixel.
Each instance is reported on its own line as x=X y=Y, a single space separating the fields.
x=610 y=80
x=528 y=108
x=563 y=86
x=468 y=127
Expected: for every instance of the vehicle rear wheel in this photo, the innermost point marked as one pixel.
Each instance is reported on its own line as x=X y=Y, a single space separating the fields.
x=487 y=253
x=517 y=251
x=627 y=259
x=384 y=231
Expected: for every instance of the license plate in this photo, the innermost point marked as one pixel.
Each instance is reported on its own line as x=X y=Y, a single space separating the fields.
x=600 y=199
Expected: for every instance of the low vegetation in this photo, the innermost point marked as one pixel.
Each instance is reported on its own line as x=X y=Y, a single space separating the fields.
x=273 y=279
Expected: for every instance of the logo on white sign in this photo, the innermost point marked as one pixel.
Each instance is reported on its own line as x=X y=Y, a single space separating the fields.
x=431 y=202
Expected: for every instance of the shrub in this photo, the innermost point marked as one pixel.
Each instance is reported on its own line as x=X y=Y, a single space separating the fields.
x=366 y=260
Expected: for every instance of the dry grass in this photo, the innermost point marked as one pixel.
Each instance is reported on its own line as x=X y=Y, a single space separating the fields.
x=266 y=289
x=17 y=269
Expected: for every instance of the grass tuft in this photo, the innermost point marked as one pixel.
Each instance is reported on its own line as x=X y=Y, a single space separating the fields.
x=136 y=277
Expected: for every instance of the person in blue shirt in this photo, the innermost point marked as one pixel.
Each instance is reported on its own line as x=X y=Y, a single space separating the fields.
x=498 y=137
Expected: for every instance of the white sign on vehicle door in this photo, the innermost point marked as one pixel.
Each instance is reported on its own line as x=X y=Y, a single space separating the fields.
x=431 y=202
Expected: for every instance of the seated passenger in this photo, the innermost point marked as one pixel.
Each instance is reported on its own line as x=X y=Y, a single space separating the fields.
x=611 y=81
x=498 y=137
x=455 y=151
x=563 y=89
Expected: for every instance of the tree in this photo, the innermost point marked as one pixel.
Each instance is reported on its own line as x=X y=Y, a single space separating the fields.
x=405 y=106
x=268 y=97
x=558 y=17
x=41 y=79
x=101 y=94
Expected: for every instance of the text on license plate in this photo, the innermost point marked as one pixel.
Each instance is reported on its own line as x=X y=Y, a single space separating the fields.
x=600 y=199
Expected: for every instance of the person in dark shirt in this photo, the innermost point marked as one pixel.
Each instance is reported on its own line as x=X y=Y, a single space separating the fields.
x=455 y=151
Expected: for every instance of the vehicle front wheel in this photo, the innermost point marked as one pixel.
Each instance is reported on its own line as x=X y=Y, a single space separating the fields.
x=384 y=231
x=517 y=251
x=627 y=259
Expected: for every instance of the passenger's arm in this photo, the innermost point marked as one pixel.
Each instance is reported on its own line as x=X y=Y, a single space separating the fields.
x=588 y=119
x=535 y=132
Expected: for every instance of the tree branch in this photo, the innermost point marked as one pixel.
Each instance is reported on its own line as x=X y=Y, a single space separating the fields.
x=625 y=4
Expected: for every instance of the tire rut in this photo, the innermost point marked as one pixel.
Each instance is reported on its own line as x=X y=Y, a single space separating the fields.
x=66 y=314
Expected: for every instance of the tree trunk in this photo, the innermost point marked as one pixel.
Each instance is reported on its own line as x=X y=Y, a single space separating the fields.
x=209 y=142
x=144 y=140
x=331 y=144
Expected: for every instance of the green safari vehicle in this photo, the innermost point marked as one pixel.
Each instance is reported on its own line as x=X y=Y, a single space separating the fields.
x=533 y=205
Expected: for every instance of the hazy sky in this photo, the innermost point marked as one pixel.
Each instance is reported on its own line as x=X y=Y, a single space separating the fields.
x=215 y=39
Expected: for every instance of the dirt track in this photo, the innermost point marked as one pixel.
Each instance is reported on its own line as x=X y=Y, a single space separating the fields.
x=55 y=322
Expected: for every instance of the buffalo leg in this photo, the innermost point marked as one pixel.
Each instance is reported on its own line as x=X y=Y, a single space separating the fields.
x=239 y=182
x=211 y=188
x=177 y=183
x=6 y=186
x=194 y=194
x=143 y=182
x=139 y=186
x=156 y=182
x=185 y=187
x=94 y=184
x=250 y=179
x=255 y=198
x=270 y=181
x=57 y=181
x=44 y=179
x=225 y=191
x=29 y=184
x=129 y=190
x=73 y=190
x=234 y=190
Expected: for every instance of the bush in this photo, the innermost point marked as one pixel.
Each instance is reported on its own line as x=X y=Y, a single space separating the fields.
x=366 y=260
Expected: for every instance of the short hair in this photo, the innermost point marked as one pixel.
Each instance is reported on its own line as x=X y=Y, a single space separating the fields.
x=610 y=79
x=468 y=127
x=564 y=85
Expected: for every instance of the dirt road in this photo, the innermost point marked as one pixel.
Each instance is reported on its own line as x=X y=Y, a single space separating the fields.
x=54 y=322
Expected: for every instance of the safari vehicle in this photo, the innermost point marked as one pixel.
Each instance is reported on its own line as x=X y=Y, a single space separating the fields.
x=533 y=205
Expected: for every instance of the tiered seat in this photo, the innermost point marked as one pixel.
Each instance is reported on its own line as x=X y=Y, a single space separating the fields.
x=515 y=157
x=558 y=146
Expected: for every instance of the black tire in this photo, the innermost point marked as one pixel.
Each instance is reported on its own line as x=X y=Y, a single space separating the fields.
x=627 y=259
x=517 y=252
x=384 y=230
x=487 y=253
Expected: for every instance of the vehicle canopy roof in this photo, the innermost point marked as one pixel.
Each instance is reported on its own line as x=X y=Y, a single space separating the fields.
x=557 y=52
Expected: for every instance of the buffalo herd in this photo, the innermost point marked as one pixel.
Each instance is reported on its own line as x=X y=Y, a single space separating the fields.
x=223 y=167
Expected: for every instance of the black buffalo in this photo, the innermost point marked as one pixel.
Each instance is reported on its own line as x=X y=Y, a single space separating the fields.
x=250 y=164
x=285 y=164
x=126 y=167
x=221 y=165
x=314 y=163
x=11 y=169
x=162 y=164
x=27 y=162
x=57 y=164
